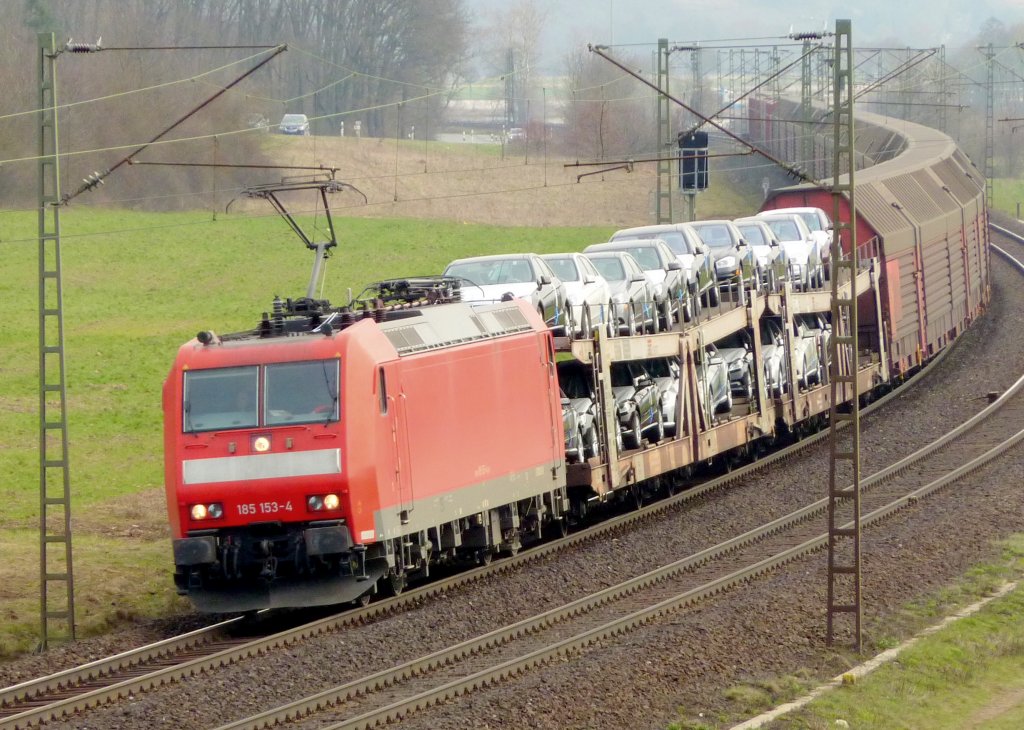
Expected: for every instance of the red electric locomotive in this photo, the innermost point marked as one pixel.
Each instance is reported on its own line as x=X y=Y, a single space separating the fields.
x=327 y=452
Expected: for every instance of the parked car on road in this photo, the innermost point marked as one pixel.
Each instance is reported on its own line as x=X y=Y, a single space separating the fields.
x=691 y=251
x=587 y=295
x=523 y=275
x=637 y=404
x=632 y=304
x=665 y=277
x=294 y=124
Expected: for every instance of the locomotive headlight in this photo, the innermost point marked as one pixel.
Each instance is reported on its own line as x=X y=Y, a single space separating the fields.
x=212 y=511
x=261 y=444
x=331 y=501
x=315 y=503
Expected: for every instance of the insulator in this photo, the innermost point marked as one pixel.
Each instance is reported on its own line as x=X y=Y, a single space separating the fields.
x=72 y=47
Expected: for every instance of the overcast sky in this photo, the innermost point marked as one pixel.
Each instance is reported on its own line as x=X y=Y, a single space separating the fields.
x=915 y=23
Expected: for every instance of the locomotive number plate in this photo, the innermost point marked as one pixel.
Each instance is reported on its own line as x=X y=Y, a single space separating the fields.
x=264 y=508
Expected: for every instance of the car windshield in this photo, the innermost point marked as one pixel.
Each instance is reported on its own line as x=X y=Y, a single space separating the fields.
x=220 y=399
x=621 y=376
x=769 y=333
x=646 y=256
x=294 y=119
x=574 y=382
x=675 y=240
x=786 y=230
x=658 y=368
x=493 y=271
x=753 y=234
x=564 y=268
x=811 y=219
x=715 y=235
x=736 y=339
x=610 y=268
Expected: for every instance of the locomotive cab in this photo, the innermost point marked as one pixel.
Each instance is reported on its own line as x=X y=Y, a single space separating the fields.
x=262 y=506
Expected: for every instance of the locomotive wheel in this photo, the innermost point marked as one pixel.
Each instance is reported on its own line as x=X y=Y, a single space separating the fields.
x=556 y=529
x=483 y=557
x=364 y=600
x=394 y=583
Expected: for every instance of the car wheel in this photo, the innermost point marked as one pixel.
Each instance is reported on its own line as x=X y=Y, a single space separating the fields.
x=659 y=424
x=714 y=296
x=666 y=315
x=631 y=320
x=590 y=443
x=748 y=388
x=695 y=304
x=631 y=437
x=586 y=330
x=802 y=381
x=579 y=446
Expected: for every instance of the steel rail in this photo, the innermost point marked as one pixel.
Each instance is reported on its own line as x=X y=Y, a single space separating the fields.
x=27 y=694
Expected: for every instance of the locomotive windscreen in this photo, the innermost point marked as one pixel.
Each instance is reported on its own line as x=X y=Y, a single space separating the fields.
x=227 y=398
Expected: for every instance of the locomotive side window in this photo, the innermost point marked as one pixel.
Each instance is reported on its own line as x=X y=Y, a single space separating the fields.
x=220 y=399
x=301 y=392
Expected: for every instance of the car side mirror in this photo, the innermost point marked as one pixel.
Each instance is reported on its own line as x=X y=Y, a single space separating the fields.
x=741 y=243
x=774 y=243
x=641 y=381
x=544 y=280
x=589 y=279
x=637 y=277
x=674 y=266
x=565 y=402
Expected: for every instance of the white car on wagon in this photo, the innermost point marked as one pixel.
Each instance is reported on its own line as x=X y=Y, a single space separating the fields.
x=587 y=295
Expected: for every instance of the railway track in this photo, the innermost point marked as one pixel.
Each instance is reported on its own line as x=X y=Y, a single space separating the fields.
x=132 y=672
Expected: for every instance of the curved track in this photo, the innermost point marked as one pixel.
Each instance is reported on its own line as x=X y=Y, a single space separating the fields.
x=20 y=713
